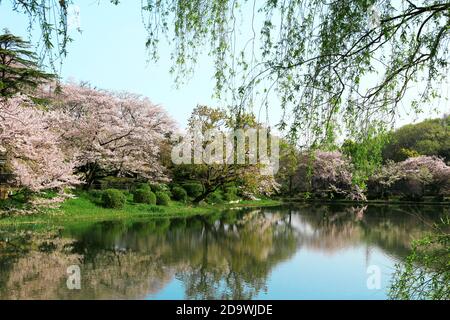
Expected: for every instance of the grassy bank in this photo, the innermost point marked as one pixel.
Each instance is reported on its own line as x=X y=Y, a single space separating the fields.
x=82 y=208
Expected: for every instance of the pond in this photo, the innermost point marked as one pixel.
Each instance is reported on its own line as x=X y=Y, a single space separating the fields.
x=286 y=252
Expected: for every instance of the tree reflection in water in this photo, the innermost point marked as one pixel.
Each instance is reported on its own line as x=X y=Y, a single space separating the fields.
x=226 y=256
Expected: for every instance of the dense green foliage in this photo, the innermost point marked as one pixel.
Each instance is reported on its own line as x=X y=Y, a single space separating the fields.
x=426 y=272
x=365 y=155
x=113 y=198
x=289 y=162
x=214 y=198
x=162 y=198
x=430 y=138
x=179 y=194
x=193 y=189
x=144 y=196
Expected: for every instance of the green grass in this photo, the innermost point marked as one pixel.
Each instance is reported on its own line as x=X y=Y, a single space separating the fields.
x=86 y=208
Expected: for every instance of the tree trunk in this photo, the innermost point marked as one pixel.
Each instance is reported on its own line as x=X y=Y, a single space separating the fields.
x=91 y=174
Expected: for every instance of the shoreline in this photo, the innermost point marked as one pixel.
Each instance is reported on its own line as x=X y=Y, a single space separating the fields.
x=82 y=210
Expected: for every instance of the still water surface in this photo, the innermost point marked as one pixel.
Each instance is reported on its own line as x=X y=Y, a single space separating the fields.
x=289 y=252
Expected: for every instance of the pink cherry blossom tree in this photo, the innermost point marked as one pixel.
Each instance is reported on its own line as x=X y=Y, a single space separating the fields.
x=327 y=172
x=33 y=151
x=117 y=133
x=411 y=178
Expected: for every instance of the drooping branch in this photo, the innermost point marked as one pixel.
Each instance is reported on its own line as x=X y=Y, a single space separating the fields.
x=349 y=62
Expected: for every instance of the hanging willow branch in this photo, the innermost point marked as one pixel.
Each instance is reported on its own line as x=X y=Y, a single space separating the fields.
x=334 y=65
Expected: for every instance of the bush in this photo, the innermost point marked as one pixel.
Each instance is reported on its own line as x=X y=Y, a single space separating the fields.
x=193 y=189
x=113 y=198
x=144 y=186
x=144 y=196
x=162 y=199
x=214 y=198
x=179 y=194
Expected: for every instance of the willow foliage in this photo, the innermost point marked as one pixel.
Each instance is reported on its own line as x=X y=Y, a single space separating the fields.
x=335 y=66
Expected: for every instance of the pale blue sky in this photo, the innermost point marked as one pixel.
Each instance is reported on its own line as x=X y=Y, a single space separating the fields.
x=110 y=54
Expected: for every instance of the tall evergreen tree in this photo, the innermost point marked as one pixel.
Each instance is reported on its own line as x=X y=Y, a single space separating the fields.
x=19 y=70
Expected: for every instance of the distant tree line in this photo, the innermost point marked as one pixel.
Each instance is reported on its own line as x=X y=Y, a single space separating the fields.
x=408 y=163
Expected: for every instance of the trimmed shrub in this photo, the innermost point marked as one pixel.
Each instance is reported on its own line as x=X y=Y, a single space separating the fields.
x=193 y=189
x=113 y=198
x=179 y=194
x=144 y=196
x=162 y=199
